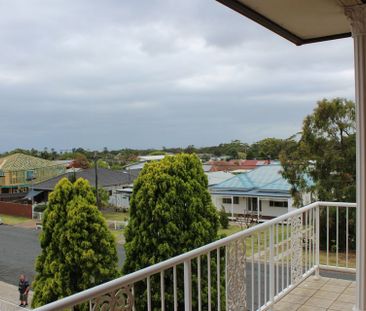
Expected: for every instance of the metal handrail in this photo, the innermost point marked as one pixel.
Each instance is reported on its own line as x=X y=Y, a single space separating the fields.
x=180 y=259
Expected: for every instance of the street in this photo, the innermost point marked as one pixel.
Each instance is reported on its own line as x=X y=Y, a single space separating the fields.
x=19 y=248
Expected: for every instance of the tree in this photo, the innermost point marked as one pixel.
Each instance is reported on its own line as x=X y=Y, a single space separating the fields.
x=267 y=148
x=78 y=250
x=326 y=152
x=101 y=164
x=103 y=196
x=80 y=160
x=190 y=149
x=171 y=212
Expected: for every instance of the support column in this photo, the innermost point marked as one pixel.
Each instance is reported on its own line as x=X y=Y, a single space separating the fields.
x=357 y=18
x=232 y=207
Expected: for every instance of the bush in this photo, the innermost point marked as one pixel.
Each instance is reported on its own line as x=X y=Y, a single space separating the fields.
x=40 y=208
x=224 y=219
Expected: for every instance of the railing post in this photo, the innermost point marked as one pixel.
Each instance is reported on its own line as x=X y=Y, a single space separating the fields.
x=271 y=265
x=187 y=286
x=317 y=240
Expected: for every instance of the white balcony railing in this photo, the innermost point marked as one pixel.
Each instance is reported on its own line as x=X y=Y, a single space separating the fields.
x=250 y=270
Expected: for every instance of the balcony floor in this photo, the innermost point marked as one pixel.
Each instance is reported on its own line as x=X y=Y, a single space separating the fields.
x=319 y=295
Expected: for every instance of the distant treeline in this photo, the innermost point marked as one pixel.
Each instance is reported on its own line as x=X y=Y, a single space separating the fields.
x=263 y=149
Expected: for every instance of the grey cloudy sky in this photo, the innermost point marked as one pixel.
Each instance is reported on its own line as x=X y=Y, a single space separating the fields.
x=153 y=73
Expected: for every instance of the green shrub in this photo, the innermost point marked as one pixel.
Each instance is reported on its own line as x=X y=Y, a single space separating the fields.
x=40 y=208
x=224 y=219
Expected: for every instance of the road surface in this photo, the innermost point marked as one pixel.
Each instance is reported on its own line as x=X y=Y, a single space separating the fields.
x=19 y=248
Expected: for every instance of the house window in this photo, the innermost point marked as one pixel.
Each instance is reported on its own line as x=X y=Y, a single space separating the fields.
x=228 y=200
x=278 y=203
x=253 y=205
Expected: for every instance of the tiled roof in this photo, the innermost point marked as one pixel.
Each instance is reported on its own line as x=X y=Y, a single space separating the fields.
x=233 y=165
x=19 y=161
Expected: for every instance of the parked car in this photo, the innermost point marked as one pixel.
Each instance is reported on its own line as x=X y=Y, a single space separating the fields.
x=1 y=221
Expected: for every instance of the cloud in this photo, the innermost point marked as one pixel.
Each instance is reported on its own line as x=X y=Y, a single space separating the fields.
x=154 y=73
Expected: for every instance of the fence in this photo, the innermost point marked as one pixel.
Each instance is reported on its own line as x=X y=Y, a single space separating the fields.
x=112 y=224
x=250 y=270
x=37 y=216
x=116 y=224
x=16 y=209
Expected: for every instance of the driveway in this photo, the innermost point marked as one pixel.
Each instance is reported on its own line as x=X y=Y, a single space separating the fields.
x=19 y=248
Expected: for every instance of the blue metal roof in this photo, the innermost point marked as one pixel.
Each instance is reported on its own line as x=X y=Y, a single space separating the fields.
x=279 y=184
x=265 y=180
x=240 y=181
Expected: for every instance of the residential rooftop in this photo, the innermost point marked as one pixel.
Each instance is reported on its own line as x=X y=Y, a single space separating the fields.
x=20 y=161
x=106 y=178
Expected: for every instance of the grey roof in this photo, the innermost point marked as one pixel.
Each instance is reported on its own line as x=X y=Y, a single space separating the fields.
x=206 y=167
x=106 y=178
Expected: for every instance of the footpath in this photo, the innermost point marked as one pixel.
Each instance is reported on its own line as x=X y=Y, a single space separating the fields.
x=9 y=297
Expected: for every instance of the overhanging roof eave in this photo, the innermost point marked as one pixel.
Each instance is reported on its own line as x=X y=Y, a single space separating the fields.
x=271 y=25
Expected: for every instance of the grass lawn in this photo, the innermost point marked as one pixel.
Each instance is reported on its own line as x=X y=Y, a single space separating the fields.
x=12 y=220
x=111 y=215
x=229 y=231
x=332 y=259
x=282 y=247
x=119 y=236
x=262 y=239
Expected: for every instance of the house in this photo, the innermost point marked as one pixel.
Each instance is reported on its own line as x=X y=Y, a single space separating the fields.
x=19 y=171
x=262 y=192
x=142 y=160
x=110 y=180
x=121 y=198
x=149 y=158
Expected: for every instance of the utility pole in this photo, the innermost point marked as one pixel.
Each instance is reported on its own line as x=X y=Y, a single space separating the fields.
x=96 y=179
x=129 y=176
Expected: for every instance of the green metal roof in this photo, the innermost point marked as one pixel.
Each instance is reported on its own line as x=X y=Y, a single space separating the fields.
x=19 y=162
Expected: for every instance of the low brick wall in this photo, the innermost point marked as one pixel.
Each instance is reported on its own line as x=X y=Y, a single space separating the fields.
x=16 y=209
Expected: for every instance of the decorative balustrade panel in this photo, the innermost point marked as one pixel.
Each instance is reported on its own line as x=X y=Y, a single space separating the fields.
x=236 y=276
x=117 y=300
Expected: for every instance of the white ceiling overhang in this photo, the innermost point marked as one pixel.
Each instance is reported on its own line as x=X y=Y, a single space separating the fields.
x=300 y=21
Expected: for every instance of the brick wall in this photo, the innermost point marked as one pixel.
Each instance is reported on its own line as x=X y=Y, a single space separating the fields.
x=16 y=209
